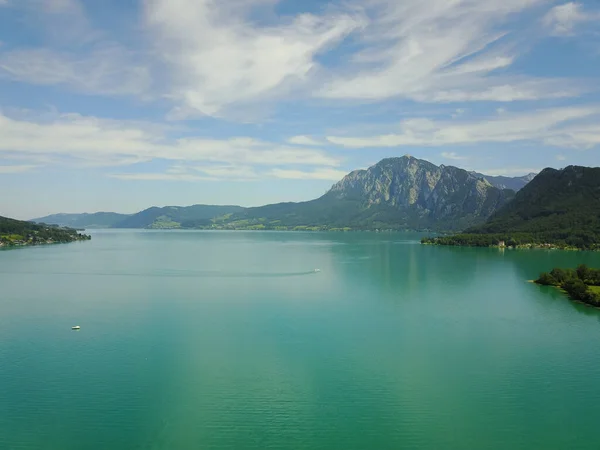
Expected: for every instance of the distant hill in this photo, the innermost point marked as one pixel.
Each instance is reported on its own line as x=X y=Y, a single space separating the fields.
x=396 y=193
x=558 y=207
x=196 y=216
x=85 y=220
x=18 y=232
x=514 y=183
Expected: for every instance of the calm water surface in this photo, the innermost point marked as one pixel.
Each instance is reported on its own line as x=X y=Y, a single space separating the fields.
x=230 y=340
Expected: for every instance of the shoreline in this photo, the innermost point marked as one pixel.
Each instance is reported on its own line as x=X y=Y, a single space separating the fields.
x=519 y=247
x=38 y=244
x=296 y=229
x=566 y=294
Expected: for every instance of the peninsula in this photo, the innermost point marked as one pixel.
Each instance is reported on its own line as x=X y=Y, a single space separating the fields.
x=581 y=284
x=14 y=233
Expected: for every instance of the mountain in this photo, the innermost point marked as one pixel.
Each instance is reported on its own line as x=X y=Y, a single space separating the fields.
x=85 y=220
x=396 y=193
x=558 y=207
x=196 y=216
x=18 y=232
x=514 y=183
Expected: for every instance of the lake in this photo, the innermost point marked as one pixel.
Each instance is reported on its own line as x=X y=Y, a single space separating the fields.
x=231 y=340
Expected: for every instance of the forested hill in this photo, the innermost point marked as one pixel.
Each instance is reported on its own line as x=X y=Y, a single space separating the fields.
x=558 y=207
x=17 y=232
x=195 y=216
x=95 y=220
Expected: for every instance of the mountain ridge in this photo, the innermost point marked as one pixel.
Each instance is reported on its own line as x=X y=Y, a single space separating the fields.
x=504 y=182
x=395 y=193
x=558 y=208
x=99 y=219
x=185 y=216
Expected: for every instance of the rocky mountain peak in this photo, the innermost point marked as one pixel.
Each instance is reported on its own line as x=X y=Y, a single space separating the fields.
x=429 y=193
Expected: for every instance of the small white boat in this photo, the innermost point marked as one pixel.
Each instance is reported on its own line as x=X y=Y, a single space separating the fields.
x=317 y=270
x=76 y=327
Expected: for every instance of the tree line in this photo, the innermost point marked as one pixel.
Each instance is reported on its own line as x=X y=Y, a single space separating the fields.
x=18 y=232
x=576 y=282
x=564 y=239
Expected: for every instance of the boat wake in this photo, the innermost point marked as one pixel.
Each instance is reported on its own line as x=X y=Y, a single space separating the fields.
x=177 y=273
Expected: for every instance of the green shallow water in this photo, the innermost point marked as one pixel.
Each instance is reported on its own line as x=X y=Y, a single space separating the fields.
x=230 y=340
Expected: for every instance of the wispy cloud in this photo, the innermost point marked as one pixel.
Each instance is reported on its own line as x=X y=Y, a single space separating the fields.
x=16 y=168
x=240 y=173
x=105 y=70
x=440 y=51
x=576 y=127
x=158 y=177
x=61 y=23
x=76 y=55
x=218 y=56
x=454 y=156
x=318 y=174
x=214 y=58
x=563 y=19
x=94 y=141
x=234 y=174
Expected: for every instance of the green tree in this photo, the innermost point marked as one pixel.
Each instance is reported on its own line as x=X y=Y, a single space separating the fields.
x=547 y=280
x=583 y=272
x=560 y=275
x=576 y=289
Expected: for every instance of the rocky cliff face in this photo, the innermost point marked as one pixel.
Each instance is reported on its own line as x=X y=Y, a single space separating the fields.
x=425 y=195
x=514 y=183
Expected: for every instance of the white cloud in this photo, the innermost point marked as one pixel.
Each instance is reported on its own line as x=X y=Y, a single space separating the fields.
x=583 y=136
x=440 y=51
x=576 y=127
x=318 y=174
x=16 y=168
x=304 y=140
x=562 y=19
x=94 y=141
x=219 y=57
x=454 y=156
x=561 y=157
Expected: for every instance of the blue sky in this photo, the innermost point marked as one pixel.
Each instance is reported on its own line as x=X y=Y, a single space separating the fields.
x=123 y=104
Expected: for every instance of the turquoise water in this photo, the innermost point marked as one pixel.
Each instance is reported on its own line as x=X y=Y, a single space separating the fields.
x=231 y=340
